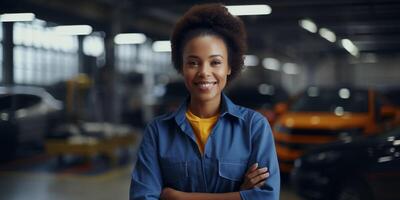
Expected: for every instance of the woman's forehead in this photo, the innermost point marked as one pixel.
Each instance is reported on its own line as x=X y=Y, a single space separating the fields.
x=207 y=45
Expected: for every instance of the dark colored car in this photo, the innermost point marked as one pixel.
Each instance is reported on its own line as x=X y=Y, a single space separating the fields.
x=26 y=115
x=363 y=169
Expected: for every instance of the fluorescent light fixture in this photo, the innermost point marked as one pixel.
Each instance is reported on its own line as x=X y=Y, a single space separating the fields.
x=344 y=93
x=261 y=9
x=327 y=34
x=17 y=17
x=73 y=30
x=251 y=60
x=162 y=46
x=271 y=64
x=93 y=46
x=130 y=38
x=350 y=47
x=290 y=68
x=308 y=25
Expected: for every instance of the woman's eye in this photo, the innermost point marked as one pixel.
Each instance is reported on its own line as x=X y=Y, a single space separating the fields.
x=217 y=62
x=192 y=63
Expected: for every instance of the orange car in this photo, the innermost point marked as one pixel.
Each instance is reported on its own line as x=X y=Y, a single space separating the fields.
x=323 y=115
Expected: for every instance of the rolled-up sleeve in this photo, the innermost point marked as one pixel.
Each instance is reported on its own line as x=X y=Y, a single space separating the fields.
x=264 y=153
x=146 y=182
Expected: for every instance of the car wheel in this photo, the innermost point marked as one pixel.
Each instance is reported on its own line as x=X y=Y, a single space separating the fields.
x=354 y=190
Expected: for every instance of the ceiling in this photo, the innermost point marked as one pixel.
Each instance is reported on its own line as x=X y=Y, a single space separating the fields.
x=372 y=25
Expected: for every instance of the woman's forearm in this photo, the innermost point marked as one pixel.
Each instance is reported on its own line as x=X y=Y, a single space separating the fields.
x=171 y=194
x=211 y=196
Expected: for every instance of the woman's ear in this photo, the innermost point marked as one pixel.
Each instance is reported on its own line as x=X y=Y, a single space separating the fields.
x=229 y=71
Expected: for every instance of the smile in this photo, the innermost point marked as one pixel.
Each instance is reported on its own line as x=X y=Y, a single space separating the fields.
x=205 y=85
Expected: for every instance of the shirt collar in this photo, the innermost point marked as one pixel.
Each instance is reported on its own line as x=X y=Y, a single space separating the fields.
x=228 y=108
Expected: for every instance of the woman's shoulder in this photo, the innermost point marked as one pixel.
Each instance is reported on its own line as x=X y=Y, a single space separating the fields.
x=249 y=114
x=160 y=119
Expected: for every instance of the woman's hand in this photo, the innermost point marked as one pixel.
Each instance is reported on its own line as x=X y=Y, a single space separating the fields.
x=254 y=177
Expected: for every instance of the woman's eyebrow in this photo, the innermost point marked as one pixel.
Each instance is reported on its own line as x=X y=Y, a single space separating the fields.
x=217 y=55
x=192 y=56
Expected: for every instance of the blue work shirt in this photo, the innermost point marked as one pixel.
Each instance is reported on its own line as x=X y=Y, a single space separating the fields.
x=169 y=155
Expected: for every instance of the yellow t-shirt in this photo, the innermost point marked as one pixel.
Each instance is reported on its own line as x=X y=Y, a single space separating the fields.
x=202 y=128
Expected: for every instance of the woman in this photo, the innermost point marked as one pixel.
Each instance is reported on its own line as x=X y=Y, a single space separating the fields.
x=209 y=148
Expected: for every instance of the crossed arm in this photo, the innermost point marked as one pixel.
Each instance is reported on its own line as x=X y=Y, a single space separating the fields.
x=146 y=184
x=254 y=177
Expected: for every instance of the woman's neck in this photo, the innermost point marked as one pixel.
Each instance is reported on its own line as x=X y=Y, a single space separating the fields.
x=205 y=109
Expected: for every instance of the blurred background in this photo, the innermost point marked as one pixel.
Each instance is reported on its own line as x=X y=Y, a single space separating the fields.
x=80 y=79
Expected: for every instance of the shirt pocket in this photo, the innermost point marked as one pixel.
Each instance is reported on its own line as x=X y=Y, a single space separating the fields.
x=175 y=173
x=232 y=170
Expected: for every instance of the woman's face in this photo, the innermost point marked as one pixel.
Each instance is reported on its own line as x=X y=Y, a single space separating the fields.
x=205 y=67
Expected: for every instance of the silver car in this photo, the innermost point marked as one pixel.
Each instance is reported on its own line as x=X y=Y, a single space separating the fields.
x=25 y=116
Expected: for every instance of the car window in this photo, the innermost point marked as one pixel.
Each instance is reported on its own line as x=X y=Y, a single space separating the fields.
x=26 y=100
x=5 y=102
x=18 y=101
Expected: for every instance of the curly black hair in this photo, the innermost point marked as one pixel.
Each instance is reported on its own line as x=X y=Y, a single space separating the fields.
x=210 y=19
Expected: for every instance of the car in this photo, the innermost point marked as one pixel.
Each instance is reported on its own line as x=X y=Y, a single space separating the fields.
x=321 y=115
x=261 y=98
x=361 y=169
x=26 y=116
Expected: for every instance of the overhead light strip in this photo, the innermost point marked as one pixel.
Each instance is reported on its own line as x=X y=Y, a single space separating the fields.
x=17 y=17
x=130 y=38
x=240 y=10
x=308 y=25
x=73 y=30
x=350 y=47
x=162 y=46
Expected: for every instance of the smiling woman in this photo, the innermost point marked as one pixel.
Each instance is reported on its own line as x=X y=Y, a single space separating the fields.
x=209 y=148
x=205 y=70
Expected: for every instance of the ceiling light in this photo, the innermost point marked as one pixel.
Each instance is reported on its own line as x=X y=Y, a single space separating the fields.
x=290 y=68
x=261 y=9
x=17 y=17
x=73 y=30
x=271 y=64
x=327 y=34
x=162 y=46
x=344 y=93
x=130 y=38
x=308 y=25
x=350 y=47
x=251 y=60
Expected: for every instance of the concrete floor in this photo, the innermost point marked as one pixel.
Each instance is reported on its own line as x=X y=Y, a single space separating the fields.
x=49 y=186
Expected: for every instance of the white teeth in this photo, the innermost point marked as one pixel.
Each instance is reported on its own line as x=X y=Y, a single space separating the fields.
x=205 y=85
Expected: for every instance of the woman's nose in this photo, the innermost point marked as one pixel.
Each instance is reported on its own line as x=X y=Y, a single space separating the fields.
x=204 y=70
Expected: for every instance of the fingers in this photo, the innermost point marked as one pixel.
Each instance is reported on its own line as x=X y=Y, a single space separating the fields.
x=252 y=168
x=255 y=177
x=256 y=180
x=257 y=172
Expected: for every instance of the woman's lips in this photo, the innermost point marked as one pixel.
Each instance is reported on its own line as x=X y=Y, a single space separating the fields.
x=205 y=85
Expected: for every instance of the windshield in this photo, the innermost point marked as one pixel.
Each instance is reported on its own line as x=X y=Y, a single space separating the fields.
x=337 y=101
